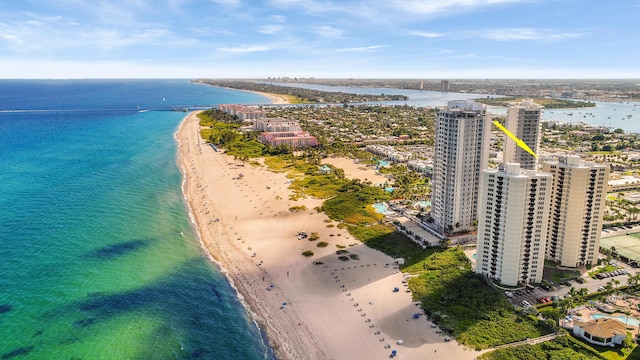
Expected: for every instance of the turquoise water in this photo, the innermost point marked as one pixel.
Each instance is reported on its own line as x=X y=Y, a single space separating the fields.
x=97 y=256
x=380 y=208
x=623 y=319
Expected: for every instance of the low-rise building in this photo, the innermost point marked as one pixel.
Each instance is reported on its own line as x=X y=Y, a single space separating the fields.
x=603 y=332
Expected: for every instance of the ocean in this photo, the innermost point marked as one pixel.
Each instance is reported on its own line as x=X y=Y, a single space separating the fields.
x=97 y=255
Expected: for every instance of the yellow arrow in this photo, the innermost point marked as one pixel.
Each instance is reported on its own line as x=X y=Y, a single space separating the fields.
x=519 y=142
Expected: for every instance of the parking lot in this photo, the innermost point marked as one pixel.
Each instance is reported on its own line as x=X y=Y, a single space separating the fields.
x=561 y=290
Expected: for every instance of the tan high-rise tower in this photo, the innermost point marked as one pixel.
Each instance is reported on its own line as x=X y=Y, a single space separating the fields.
x=524 y=121
x=577 y=209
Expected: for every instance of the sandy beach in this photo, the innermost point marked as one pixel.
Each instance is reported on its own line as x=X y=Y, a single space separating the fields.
x=334 y=310
x=276 y=99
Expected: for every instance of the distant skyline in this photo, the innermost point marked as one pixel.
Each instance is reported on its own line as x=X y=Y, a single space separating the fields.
x=427 y=39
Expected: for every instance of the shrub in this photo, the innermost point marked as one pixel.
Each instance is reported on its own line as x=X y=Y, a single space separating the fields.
x=354 y=256
x=298 y=208
x=314 y=236
x=343 y=258
x=340 y=246
x=307 y=253
x=322 y=244
x=340 y=252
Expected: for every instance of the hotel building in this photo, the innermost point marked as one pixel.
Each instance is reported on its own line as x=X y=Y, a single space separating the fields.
x=461 y=152
x=276 y=125
x=577 y=210
x=523 y=121
x=294 y=139
x=242 y=112
x=512 y=228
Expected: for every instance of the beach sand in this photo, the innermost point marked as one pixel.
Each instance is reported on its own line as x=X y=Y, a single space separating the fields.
x=334 y=310
x=276 y=99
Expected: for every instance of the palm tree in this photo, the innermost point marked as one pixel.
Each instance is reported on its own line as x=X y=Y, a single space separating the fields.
x=608 y=286
x=615 y=283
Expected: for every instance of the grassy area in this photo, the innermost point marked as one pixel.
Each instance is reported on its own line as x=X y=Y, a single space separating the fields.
x=558 y=275
x=560 y=348
x=352 y=204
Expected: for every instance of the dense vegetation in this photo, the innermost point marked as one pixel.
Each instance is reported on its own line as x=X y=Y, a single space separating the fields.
x=549 y=103
x=558 y=349
x=305 y=95
x=358 y=123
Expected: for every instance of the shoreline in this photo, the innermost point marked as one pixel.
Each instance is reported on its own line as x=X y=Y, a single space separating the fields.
x=332 y=310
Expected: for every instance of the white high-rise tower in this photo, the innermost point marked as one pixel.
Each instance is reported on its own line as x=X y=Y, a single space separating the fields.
x=512 y=229
x=577 y=209
x=461 y=152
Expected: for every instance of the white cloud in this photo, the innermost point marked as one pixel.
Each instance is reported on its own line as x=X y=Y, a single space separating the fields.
x=363 y=48
x=228 y=3
x=516 y=34
x=245 y=49
x=270 y=29
x=438 y=6
x=328 y=31
x=279 y=18
x=425 y=34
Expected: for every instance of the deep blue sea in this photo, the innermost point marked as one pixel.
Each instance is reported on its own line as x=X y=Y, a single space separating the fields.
x=97 y=256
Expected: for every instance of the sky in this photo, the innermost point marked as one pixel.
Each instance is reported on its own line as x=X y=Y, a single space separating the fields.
x=428 y=39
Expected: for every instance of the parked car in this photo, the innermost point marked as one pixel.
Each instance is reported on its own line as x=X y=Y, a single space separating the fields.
x=525 y=303
x=600 y=288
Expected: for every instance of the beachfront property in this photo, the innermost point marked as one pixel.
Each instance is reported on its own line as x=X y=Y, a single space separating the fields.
x=294 y=139
x=603 y=331
x=276 y=125
x=390 y=153
x=578 y=196
x=424 y=167
x=523 y=121
x=242 y=112
x=512 y=229
x=417 y=232
x=462 y=136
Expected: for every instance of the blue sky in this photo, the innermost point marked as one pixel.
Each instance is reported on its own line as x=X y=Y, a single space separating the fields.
x=320 y=38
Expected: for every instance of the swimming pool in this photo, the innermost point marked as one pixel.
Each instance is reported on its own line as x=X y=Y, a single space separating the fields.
x=381 y=208
x=622 y=318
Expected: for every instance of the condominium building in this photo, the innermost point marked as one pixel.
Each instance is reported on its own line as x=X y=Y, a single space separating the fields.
x=461 y=152
x=579 y=192
x=512 y=229
x=276 y=125
x=524 y=122
x=242 y=112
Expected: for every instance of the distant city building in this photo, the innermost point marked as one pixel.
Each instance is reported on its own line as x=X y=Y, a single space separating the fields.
x=294 y=139
x=444 y=85
x=461 y=152
x=512 y=229
x=524 y=121
x=578 y=191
